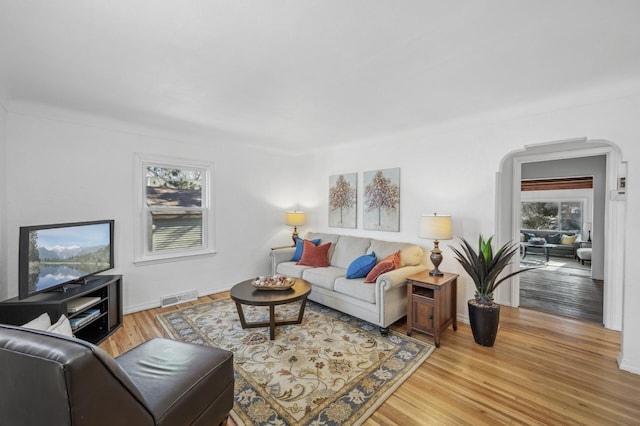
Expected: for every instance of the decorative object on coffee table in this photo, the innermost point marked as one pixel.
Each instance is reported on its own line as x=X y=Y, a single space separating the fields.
x=275 y=282
x=245 y=293
x=435 y=227
x=484 y=267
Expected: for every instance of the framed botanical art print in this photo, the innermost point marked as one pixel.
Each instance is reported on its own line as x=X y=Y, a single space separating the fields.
x=381 y=209
x=342 y=200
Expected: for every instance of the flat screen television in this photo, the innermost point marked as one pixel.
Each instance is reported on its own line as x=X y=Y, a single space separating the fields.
x=54 y=256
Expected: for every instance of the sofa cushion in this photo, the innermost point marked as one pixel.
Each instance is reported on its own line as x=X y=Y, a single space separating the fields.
x=385 y=248
x=316 y=256
x=361 y=266
x=529 y=235
x=297 y=255
x=553 y=238
x=323 y=277
x=357 y=289
x=325 y=238
x=291 y=269
x=411 y=256
x=568 y=239
x=382 y=267
x=347 y=249
x=389 y=263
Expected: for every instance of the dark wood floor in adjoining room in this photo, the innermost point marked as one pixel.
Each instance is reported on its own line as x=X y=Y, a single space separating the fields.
x=568 y=291
x=544 y=369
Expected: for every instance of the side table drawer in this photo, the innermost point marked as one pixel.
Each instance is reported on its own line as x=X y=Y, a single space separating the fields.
x=422 y=314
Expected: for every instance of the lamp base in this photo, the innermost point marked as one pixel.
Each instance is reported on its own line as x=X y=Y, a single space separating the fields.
x=294 y=236
x=436 y=259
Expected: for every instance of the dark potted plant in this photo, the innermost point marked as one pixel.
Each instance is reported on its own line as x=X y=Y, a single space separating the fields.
x=484 y=267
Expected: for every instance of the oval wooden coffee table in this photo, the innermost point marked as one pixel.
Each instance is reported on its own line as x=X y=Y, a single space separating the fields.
x=246 y=294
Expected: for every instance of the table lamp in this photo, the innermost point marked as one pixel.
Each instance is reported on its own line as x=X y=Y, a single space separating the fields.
x=294 y=219
x=435 y=227
x=587 y=227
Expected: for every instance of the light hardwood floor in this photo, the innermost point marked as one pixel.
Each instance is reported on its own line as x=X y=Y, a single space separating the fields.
x=543 y=369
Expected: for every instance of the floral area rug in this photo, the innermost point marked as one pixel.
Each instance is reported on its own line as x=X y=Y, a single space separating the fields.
x=332 y=369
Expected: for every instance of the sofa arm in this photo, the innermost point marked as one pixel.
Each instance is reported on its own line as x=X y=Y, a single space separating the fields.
x=279 y=255
x=397 y=277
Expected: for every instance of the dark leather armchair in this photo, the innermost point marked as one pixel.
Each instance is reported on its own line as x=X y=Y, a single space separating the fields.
x=51 y=379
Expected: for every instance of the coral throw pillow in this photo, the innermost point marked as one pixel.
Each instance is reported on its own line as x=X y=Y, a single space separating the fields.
x=387 y=264
x=318 y=257
x=299 y=247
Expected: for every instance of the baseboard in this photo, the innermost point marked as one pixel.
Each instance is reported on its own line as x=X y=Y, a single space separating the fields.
x=628 y=366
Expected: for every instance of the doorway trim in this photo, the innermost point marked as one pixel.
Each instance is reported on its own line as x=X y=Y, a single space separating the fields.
x=508 y=207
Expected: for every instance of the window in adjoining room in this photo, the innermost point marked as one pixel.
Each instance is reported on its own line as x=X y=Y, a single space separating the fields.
x=552 y=215
x=175 y=217
x=555 y=204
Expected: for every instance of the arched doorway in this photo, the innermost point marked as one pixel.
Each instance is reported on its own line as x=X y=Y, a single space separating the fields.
x=507 y=211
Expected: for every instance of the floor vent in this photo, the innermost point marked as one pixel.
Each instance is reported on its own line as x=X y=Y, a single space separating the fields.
x=179 y=298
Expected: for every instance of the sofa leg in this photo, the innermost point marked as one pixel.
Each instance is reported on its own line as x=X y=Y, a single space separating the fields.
x=384 y=330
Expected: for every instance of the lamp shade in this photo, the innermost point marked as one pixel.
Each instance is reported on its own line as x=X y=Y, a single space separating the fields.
x=587 y=226
x=294 y=218
x=435 y=227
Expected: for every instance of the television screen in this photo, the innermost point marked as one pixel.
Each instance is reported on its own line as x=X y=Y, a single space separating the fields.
x=54 y=255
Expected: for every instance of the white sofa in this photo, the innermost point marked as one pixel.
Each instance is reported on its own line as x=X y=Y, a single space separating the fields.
x=382 y=302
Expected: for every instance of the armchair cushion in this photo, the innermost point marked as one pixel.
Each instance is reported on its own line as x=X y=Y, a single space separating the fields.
x=178 y=380
x=161 y=382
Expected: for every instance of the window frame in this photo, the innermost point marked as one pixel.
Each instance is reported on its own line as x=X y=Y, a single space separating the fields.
x=559 y=201
x=142 y=210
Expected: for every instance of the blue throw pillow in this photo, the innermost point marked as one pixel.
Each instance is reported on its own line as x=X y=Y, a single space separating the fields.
x=299 y=246
x=361 y=266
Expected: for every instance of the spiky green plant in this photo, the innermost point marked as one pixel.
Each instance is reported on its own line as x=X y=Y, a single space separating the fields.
x=484 y=266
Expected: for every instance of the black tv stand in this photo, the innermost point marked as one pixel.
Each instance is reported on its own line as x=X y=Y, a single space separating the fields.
x=108 y=290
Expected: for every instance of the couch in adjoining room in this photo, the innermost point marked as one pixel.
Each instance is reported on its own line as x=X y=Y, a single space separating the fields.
x=565 y=243
x=381 y=302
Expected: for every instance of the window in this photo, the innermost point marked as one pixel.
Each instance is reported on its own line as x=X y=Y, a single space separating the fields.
x=175 y=214
x=552 y=215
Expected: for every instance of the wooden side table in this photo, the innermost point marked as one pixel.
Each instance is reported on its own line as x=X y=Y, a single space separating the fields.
x=431 y=303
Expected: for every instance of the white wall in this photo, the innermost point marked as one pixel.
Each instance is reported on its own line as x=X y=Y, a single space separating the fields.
x=64 y=172
x=453 y=169
x=58 y=171
x=3 y=204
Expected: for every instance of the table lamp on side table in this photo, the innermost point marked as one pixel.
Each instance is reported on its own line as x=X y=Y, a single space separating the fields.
x=435 y=227
x=294 y=219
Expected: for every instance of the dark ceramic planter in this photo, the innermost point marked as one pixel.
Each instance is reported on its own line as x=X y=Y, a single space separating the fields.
x=484 y=322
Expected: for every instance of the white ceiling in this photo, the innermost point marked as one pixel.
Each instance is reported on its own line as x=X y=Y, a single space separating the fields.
x=300 y=74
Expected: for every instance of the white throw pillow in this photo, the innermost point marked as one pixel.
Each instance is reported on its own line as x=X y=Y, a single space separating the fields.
x=43 y=322
x=62 y=326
